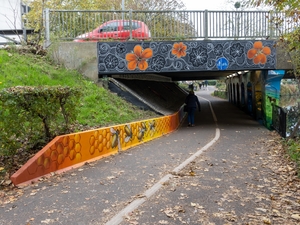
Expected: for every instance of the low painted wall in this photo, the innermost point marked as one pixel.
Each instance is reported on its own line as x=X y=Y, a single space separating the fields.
x=73 y=150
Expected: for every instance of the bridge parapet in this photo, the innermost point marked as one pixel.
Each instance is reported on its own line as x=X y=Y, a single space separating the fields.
x=202 y=58
x=185 y=56
x=169 y=25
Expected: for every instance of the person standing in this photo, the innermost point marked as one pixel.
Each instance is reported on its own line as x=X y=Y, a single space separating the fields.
x=206 y=84
x=192 y=102
x=200 y=84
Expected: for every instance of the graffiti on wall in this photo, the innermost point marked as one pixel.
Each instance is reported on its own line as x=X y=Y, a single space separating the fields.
x=272 y=93
x=160 y=57
x=72 y=150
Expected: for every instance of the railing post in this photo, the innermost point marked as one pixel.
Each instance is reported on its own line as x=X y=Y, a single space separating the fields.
x=205 y=24
x=271 y=34
x=46 y=21
x=130 y=24
x=283 y=114
x=24 y=10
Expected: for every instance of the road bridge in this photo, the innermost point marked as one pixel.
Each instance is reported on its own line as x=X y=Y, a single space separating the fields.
x=183 y=45
x=240 y=47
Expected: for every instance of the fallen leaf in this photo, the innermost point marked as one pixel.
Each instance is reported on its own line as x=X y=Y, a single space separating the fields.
x=169 y=212
x=296 y=216
x=266 y=220
x=261 y=209
x=192 y=173
x=163 y=222
x=47 y=221
x=106 y=210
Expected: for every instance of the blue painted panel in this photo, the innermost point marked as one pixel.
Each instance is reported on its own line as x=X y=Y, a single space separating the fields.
x=163 y=56
x=272 y=83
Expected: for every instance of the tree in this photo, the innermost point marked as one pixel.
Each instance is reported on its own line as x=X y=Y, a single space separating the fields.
x=35 y=16
x=290 y=36
x=154 y=5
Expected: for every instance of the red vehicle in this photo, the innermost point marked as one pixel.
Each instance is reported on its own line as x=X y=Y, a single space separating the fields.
x=118 y=30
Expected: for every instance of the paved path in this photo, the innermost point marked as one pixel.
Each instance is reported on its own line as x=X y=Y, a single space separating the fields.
x=196 y=175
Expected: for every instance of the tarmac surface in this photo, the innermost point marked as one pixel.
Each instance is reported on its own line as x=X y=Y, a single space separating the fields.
x=196 y=175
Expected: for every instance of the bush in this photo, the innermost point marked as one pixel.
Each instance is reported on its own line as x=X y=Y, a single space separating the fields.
x=220 y=94
x=32 y=116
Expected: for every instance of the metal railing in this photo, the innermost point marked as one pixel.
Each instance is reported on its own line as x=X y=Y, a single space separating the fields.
x=172 y=25
x=279 y=116
x=284 y=120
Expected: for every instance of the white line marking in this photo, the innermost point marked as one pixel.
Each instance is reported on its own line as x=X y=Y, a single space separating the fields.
x=211 y=109
x=118 y=218
x=198 y=153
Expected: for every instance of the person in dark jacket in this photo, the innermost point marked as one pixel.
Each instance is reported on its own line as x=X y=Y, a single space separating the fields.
x=192 y=102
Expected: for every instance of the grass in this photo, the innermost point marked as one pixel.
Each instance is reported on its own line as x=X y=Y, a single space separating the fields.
x=99 y=107
x=292 y=147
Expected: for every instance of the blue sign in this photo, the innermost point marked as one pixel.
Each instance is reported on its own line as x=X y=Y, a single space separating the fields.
x=222 y=63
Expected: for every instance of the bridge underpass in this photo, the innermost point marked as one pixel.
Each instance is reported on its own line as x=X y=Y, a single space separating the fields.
x=241 y=78
x=252 y=79
x=197 y=45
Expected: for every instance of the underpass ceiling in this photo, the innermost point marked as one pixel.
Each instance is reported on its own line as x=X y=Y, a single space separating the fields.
x=203 y=75
x=179 y=76
x=185 y=76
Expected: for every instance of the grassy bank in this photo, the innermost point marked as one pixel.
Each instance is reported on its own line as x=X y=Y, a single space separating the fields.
x=98 y=106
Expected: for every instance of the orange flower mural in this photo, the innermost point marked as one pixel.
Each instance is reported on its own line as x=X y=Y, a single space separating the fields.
x=138 y=58
x=179 y=49
x=259 y=53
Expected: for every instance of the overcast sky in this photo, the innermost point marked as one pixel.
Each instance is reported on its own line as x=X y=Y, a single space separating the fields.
x=215 y=5
x=207 y=4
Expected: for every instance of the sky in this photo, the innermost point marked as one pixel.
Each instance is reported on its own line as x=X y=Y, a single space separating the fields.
x=215 y=5
x=207 y=4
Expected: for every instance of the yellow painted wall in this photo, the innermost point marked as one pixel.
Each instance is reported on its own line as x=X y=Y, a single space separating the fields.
x=72 y=150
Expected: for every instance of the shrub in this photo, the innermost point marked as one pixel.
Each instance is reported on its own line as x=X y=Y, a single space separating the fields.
x=31 y=116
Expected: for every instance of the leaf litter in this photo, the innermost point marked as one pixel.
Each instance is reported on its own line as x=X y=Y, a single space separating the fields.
x=271 y=190
x=265 y=189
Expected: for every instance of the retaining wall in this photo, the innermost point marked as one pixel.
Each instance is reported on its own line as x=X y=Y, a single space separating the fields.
x=73 y=150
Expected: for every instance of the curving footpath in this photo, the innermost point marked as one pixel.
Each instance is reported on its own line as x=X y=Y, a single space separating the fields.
x=195 y=175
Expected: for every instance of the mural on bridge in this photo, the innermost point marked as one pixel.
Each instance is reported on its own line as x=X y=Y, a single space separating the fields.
x=160 y=57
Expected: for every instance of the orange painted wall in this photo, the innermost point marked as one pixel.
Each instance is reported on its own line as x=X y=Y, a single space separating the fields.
x=72 y=150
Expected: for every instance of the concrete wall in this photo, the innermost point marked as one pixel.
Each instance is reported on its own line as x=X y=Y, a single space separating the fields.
x=77 y=56
x=283 y=59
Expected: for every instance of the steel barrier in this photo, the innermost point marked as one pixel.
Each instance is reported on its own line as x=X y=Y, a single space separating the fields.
x=170 y=25
x=279 y=116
